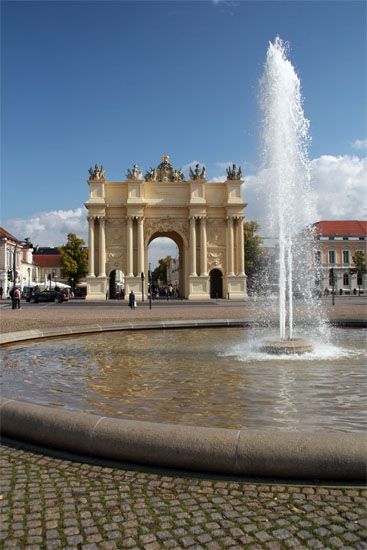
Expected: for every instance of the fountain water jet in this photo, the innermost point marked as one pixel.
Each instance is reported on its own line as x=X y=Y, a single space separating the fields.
x=286 y=168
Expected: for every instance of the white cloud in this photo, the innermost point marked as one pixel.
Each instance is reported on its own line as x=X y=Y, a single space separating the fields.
x=338 y=185
x=50 y=228
x=359 y=144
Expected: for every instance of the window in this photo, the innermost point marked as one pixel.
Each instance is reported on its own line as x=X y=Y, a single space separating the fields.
x=346 y=257
x=318 y=256
x=331 y=278
x=345 y=279
x=331 y=256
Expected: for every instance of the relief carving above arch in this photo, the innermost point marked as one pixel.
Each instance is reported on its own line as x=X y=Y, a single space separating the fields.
x=215 y=259
x=167 y=225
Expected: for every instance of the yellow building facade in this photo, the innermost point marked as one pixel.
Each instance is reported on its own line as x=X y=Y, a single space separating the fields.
x=204 y=219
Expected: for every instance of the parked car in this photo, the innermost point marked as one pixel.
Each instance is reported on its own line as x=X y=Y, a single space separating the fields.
x=48 y=296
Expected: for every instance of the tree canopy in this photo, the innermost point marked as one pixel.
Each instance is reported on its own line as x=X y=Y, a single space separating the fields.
x=254 y=254
x=160 y=272
x=74 y=259
x=359 y=261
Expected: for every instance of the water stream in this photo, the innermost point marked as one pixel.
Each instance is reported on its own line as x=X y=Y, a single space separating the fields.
x=286 y=179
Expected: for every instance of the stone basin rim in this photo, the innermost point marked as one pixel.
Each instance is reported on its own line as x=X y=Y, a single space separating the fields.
x=276 y=454
x=7 y=338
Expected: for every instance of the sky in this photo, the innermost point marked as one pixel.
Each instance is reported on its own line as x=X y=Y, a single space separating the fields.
x=118 y=83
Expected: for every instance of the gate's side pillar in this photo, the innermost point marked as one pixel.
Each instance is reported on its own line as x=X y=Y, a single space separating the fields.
x=236 y=278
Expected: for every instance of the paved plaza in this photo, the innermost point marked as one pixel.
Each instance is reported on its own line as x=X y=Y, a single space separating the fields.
x=56 y=503
x=51 y=501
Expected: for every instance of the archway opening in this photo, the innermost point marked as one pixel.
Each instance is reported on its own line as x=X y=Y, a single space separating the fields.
x=117 y=285
x=216 y=283
x=166 y=265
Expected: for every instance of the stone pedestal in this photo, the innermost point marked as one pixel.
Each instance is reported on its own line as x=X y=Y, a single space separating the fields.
x=97 y=288
x=236 y=287
x=134 y=284
x=199 y=287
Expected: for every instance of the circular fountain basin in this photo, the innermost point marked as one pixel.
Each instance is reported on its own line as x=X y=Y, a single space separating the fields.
x=209 y=377
x=271 y=437
x=292 y=346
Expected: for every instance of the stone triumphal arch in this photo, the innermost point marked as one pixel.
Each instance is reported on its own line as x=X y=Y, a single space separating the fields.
x=205 y=220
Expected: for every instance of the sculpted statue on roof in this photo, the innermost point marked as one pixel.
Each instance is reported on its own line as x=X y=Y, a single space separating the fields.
x=234 y=173
x=198 y=174
x=135 y=174
x=164 y=172
x=96 y=173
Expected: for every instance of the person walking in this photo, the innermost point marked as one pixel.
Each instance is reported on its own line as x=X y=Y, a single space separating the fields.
x=16 y=298
x=1 y=292
x=132 y=300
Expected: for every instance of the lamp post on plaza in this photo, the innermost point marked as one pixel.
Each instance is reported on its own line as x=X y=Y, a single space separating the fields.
x=142 y=286
x=150 y=287
x=29 y=277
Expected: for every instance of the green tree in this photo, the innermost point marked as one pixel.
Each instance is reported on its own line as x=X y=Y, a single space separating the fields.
x=359 y=261
x=160 y=272
x=74 y=259
x=254 y=254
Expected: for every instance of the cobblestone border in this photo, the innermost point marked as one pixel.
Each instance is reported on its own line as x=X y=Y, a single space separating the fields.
x=302 y=455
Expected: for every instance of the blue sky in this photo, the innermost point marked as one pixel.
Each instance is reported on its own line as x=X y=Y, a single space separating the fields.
x=124 y=82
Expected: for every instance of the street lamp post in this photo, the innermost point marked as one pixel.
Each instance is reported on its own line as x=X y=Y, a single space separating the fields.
x=150 y=287
x=29 y=277
x=142 y=286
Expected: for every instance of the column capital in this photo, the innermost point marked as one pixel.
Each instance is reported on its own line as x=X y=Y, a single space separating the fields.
x=193 y=218
x=91 y=218
x=140 y=219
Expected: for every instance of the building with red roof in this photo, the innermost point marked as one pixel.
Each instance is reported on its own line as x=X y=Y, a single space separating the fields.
x=48 y=260
x=16 y=262
x=338 y=241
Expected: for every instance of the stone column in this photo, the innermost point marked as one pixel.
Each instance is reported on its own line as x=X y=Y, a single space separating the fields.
x=230 y=246
x=240 y=247
x=130 y=247
x=140 y=245
x=102 y=248
x=193 y=246
x=203 y=248
x=91 y=247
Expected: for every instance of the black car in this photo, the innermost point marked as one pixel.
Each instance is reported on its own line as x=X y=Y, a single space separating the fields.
x=47 y=296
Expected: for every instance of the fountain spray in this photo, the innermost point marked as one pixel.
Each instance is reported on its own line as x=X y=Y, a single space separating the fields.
x=286 y=171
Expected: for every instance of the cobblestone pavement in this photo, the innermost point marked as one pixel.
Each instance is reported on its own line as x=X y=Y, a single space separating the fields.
x=53 y=503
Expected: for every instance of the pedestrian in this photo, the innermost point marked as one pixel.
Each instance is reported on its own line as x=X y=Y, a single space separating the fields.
x=16 y=298
x=132 y=302
x=1 y=292
x=123 y=294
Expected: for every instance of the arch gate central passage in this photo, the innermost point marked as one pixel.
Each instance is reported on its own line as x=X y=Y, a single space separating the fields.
x=204 y=218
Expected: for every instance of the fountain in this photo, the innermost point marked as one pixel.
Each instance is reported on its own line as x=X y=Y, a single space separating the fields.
x=199 y=398
x=287 y=182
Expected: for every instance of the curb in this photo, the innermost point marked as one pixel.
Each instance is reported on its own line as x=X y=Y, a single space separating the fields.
x=36 y=334
x=300 y=455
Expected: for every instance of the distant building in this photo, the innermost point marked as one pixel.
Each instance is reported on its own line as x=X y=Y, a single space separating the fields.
x=48 y=260
x=173 y=273
x=16 y=262
x=338 y=242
